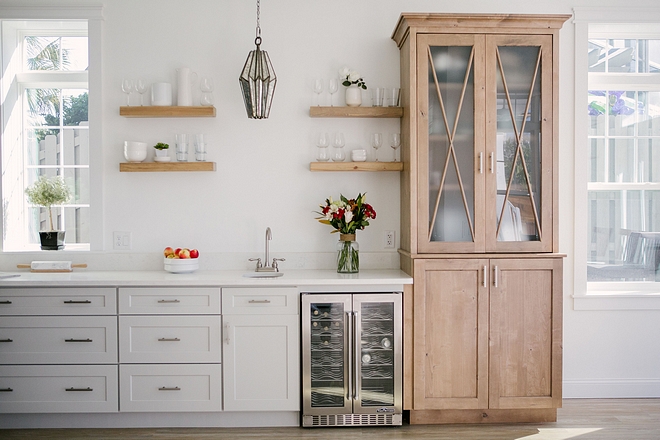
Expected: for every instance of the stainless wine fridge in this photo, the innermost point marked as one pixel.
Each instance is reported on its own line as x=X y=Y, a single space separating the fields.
x=352 y=356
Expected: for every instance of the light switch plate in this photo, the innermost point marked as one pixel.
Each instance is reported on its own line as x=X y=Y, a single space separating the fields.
x=121 y=240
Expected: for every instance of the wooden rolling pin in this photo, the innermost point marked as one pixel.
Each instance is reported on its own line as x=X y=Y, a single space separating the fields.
x=51 y=266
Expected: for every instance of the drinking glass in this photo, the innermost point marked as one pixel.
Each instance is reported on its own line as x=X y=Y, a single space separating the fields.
x=182 y=147
x=200 y=147
x=318 y=89
x=206 y=86
x=377 y=96
x=376 y=143
x=333 y=86
x=322 y=150
x=396 y=143
x=338 y=143
x=127 y=87
x=141 y=87
x=393 y=97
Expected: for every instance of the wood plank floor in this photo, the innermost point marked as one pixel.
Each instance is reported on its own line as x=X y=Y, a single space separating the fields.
x=583 y=419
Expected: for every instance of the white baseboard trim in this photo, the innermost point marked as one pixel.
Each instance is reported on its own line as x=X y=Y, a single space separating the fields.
x=611 y=388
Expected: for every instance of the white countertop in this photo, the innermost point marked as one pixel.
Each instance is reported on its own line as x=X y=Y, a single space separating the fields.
x=82 y=277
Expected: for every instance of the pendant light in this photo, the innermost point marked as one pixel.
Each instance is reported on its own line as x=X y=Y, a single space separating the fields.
x=258 y=79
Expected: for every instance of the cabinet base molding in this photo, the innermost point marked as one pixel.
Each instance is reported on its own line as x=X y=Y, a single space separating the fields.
x=478 y=416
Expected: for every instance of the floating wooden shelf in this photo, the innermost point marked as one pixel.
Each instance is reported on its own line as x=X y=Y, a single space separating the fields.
x=170 y=111
x=146 y=167
x=356 y=166
x=356 y=112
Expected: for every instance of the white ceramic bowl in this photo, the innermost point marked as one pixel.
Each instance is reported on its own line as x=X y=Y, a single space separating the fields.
x=186 y=265
x=135 y=155
x=133 y=145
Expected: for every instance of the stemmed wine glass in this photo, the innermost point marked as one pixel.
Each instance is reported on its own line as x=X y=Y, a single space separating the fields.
x=127 y=87
x=396 y=143
x=322 y=144
x=318 y=89
x=338 y=143
x=376 y=142
x=206 y=86
x=140 y=87
x=333 y=86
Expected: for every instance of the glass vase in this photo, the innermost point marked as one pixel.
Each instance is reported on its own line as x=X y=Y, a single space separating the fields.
x=348 y=255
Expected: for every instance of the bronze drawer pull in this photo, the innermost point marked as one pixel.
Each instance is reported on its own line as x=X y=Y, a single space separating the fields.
x=169 y=340
x=259 y=301
x=78 y=340
x=70 y=301
x=169 y=389
x=165 y=301
x=6 y=340
x=5 y=302
x=6 y=390
x=79 y=389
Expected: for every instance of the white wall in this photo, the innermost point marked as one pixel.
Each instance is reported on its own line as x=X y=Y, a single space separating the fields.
x=263 y=178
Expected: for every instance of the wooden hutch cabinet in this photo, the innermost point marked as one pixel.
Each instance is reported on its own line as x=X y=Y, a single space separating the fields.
x=478 y=217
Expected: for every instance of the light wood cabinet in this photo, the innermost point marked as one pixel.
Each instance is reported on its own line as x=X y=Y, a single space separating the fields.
x=479 y=230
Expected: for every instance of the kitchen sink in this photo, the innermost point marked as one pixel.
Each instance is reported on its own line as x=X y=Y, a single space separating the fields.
x=263 y=274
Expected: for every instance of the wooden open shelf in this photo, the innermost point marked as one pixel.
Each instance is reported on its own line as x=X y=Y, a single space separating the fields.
x=167 y=111
x=356 y=112
x=356 y=166
x=147 y=167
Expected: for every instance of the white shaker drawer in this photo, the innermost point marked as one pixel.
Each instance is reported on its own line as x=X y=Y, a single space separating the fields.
x=58 y=340
x=169 y=339
x=58 y=389
x=185 y=388
x=58 y=301
x=169 y=300
x=260 y=300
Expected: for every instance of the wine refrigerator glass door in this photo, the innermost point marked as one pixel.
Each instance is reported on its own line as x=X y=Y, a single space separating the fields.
x=377 y=346
x=327 y=375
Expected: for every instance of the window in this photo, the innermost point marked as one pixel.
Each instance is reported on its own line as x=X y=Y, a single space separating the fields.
x=46 y=129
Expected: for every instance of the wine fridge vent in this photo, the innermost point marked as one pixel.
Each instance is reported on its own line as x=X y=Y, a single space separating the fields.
x=353 y=420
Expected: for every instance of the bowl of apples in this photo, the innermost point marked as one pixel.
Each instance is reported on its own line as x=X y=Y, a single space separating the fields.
x=181 y=260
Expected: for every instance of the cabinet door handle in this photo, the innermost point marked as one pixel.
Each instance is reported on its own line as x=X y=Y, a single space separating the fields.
x=166 y=301
x=485 y=271
x=481 y=163
x=6 y=390
x=5 y=302
x=78 y=340
x=492 y=163
x=71 y=301
x=169 y=340
x=227 y=333
x=169 y=389
x=259 y=301
x=79 y=389
x=6 y=340
x=495 y=276
x=357 y=346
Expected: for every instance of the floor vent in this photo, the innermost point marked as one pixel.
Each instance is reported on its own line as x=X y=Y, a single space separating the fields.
x=353 y=420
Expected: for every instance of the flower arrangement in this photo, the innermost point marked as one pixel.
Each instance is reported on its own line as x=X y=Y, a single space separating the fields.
x=346 y=216
x=349 y=77
x=47 y=192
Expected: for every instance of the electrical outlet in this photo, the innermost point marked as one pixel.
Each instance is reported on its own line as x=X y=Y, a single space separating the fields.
x=388 y=240
x=121 y=240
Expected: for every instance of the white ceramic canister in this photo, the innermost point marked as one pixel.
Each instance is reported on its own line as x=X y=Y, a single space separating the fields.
x=185 y=79
x=161 y=94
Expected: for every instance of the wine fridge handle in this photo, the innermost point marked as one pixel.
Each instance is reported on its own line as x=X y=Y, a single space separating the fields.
x=348 y=339
x=357 y=360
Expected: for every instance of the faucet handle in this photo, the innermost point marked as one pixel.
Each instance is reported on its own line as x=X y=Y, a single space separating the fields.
x=258 y=260
x=275 y=260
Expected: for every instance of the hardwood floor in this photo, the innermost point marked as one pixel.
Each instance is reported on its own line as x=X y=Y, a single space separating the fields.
x=583 y=419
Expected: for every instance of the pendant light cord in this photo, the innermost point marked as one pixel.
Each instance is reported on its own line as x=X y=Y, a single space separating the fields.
x=257 y=40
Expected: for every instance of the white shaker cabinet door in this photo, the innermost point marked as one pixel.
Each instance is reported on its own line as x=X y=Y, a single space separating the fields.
x=261 y=362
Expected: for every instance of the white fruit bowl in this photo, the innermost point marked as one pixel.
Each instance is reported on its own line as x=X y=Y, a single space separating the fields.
x=186 y=265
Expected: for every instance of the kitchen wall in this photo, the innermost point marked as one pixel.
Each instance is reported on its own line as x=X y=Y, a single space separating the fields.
x=262 y=176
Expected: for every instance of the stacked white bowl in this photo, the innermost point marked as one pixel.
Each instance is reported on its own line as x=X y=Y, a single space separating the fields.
x=135 y=151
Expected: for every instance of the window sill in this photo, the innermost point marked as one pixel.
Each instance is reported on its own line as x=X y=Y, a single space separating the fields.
x=631 y=299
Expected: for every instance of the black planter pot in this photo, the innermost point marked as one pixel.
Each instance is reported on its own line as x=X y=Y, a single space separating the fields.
x=52 y=240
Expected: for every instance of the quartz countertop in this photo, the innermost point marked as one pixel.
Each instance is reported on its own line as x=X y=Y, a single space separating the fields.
x=314 y=278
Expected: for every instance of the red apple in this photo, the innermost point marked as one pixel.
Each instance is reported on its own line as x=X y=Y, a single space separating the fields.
x=176 y=251
x=168 y=251
x=194 y=253
x=184 y=253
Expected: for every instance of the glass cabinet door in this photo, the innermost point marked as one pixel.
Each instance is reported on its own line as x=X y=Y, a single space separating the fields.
x=377 y=353
x=326 y=354
x=519 y=143
x=451 y=157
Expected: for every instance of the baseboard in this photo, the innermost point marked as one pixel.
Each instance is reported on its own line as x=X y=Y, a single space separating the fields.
x=611 y=388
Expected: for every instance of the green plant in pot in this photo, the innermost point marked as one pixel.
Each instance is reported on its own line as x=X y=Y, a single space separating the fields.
x=161 y=150
x=46 y=192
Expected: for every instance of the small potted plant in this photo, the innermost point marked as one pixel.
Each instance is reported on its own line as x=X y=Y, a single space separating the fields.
x=354 y=84
x=46 y=192
x=161 y=152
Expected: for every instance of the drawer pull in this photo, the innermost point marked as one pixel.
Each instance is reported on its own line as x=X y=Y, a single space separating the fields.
x=165 y=301
x=169 y=340
x=259 y=301
x=79 y=389
x=169 y=389
x=71 y=301
x=6 y=340
x=6 y=390
x=5 y=302
x=78 y=340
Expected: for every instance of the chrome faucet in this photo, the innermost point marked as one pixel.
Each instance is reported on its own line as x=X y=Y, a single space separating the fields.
x=264 y=267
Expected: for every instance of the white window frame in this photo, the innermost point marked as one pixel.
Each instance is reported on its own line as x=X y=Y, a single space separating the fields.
x=59 y=11
x=601 y=295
